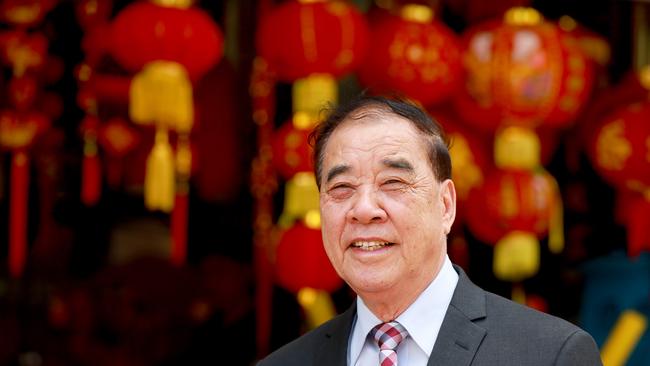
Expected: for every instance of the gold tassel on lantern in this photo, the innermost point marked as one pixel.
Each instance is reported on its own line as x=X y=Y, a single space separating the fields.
x=161 y=94
x=301 y=198
x=159 y=186
x=310 y=95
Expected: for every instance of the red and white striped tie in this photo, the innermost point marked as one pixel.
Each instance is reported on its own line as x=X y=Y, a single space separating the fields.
x=388 y=337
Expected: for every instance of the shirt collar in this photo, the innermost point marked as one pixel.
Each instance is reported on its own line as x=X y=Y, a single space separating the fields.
x=422 y=319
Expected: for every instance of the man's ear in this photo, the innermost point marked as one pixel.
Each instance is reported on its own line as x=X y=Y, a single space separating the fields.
x=448 y=198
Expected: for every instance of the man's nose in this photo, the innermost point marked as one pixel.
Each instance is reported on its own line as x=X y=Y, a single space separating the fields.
x=367 y=208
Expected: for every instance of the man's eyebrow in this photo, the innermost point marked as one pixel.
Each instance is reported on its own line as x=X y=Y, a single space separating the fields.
x=400 y=163
x=339 y=169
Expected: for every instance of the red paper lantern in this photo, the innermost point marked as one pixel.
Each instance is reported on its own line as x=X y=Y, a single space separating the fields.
x=512 y=200
x=512 y=211
x=413 y=54
x=291 y=150
x=619 y=147
x=144 y=32
x=300 y=38
x=523 y=70
x=301 y=261
x=620 y=151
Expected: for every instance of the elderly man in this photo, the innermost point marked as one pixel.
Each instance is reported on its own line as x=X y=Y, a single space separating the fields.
x=387 y=204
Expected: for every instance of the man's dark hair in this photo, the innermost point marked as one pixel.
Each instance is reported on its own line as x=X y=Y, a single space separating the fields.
x=430 y=129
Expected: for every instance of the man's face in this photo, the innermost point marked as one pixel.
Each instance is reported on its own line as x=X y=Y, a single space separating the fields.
x=384 y=215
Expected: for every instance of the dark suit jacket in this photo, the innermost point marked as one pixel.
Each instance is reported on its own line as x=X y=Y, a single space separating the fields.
x=480 y=328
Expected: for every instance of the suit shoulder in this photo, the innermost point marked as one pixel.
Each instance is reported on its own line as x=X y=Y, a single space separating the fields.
x=510 y=313
x=505 y=310
x=531 y=337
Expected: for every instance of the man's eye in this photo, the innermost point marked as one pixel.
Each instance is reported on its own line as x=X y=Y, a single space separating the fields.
x=340 y=187
x=393 y=182
x=340 y=190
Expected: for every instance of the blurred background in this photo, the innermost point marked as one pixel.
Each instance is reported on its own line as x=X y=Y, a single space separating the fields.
x=157 y=205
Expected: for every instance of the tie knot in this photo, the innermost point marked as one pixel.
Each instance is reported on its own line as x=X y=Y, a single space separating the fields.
x=389 y=335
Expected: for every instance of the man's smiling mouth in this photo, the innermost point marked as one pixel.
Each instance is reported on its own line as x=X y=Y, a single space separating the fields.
x=370 y=245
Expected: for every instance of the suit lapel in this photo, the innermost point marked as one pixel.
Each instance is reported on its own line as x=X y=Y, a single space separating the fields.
x=334 y=347
x=459 y=337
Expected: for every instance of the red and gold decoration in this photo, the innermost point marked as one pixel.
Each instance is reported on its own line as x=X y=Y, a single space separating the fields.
x=526 y=78
x=413 y=53
x=301 y=260
x=23 y=14
x=307 y=43
x=169 y=45
x=620 y=152
x=522 y=70
x=300 y=38
x=93 y=16
x=518 y=205
x=24 y=52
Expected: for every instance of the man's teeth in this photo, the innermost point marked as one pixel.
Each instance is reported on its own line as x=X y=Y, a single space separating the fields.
x=370 y=245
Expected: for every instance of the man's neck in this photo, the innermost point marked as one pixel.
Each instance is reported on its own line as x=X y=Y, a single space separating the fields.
x=388 y=305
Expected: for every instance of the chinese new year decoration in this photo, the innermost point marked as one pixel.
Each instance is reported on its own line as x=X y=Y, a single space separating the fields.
x=308 y=44
x=24 y=51
x=413 y=53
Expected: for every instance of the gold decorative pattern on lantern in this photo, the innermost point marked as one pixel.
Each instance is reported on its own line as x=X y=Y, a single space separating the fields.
x=612 y=148
x=181 y=4
x=636 y=186
x=416 y=13
x=308 y=34
x=345 y=56
x=24 y=14
x=411 y=58
x=509 y=200
x=522 y=16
